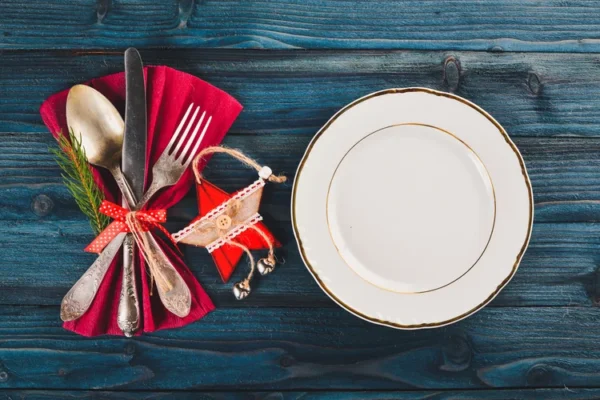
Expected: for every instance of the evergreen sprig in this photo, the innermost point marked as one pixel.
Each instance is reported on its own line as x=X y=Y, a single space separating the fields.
x=78 y=178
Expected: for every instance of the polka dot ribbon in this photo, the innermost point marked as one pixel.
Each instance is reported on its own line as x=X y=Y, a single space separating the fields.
x=145 y=220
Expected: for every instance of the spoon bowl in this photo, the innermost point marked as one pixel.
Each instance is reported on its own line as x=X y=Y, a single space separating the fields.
x=97 y=123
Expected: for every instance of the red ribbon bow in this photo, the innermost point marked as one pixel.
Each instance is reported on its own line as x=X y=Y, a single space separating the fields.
x=147 y=219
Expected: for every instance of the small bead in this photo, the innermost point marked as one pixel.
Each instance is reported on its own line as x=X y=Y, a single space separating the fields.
x=265 y=172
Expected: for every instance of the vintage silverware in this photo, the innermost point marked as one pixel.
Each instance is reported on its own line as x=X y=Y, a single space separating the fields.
x=133 y=165
x=99 y=126
x=178 y=298
x=172 y=163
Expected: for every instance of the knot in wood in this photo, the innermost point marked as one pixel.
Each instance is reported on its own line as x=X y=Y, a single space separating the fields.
x=186 y=8
x=286 y=361
x=539 y=375
x=534 y=84
x=452 y=71
x=130 y=349
x=102 y=8
x=457 y=353
x=42 y=205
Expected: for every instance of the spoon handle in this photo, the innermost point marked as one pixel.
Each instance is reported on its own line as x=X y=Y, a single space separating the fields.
x=77 y=301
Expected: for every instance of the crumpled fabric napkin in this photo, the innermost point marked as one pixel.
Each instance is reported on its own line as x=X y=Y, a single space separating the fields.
x=168 y=95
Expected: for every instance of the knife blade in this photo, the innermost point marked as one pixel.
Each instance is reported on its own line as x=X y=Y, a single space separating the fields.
x=133 y=165
x=134 y=140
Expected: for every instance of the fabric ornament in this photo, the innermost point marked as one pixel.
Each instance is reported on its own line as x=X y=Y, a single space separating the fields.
x=229 y=225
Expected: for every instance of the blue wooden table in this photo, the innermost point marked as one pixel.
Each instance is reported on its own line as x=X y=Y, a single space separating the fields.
x=534 y=65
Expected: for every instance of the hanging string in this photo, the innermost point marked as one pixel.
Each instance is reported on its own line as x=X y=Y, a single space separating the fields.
x=271 y=178
x=236 y=154
x=250 y=257
x=271 y=256
x=156 y=273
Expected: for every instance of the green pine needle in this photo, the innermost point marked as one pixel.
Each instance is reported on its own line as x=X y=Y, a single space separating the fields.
x=77 y=177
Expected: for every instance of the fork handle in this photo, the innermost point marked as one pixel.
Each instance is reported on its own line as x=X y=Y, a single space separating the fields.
x=172 y=289
x=154 y=187
x=178 y=298
x=124 y=187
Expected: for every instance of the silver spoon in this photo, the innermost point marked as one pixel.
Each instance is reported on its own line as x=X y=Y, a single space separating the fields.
x=99 y=126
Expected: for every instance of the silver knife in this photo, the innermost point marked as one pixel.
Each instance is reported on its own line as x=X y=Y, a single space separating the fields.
x=133 y=166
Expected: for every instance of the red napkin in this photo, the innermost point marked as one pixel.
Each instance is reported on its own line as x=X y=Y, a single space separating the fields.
x=168 y=94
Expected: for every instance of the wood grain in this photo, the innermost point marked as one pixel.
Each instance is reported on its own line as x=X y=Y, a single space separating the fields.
x=288 y=340
x=492 y=394
x=305 y=348
x=37 y=213
x=510 y=25
x=298 y=91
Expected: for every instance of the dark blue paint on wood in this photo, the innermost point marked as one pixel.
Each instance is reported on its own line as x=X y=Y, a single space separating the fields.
x=296 y=92
x=306 y=349
x=558 y=269
x=507 y=25
x=288 y=340
x=491 y=394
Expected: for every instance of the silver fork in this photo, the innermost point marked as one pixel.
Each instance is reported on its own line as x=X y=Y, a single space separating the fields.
x=172 y=162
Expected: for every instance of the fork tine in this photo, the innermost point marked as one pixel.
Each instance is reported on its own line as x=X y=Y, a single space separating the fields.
x=195 y=149
x=183 y=138
x=192 y=137
x=176 y=134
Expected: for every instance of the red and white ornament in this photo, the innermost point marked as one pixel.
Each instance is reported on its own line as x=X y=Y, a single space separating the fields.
x=230 y=225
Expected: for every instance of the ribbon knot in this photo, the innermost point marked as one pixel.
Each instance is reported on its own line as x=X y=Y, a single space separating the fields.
x=126 y=221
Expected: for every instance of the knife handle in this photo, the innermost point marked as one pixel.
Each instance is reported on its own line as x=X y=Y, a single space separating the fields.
x=128 y=317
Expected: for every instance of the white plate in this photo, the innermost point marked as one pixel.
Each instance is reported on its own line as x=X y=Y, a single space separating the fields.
x=412 y=208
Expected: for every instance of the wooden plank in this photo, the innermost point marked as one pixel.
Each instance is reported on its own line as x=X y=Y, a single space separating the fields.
x=298 y=91
x=37 y=214
x=492 y=394
x=306 y=349
x=560 y=268
x=510 y=25
x=563 y=171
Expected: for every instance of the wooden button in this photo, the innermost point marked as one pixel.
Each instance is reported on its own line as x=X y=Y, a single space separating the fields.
x=223 y=221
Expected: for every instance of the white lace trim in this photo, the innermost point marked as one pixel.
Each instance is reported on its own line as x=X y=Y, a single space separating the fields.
x=234 y=232
x=242 y=194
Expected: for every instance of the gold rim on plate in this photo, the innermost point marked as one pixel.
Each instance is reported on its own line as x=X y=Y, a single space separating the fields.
x=519 y=255
x=493 y=195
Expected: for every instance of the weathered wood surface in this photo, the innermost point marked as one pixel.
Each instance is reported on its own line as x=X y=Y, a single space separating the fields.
x=296 y=92
x=288 y=340
x=492 y=394
x=511 y=25
x=560 y=267
x=308 y=348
